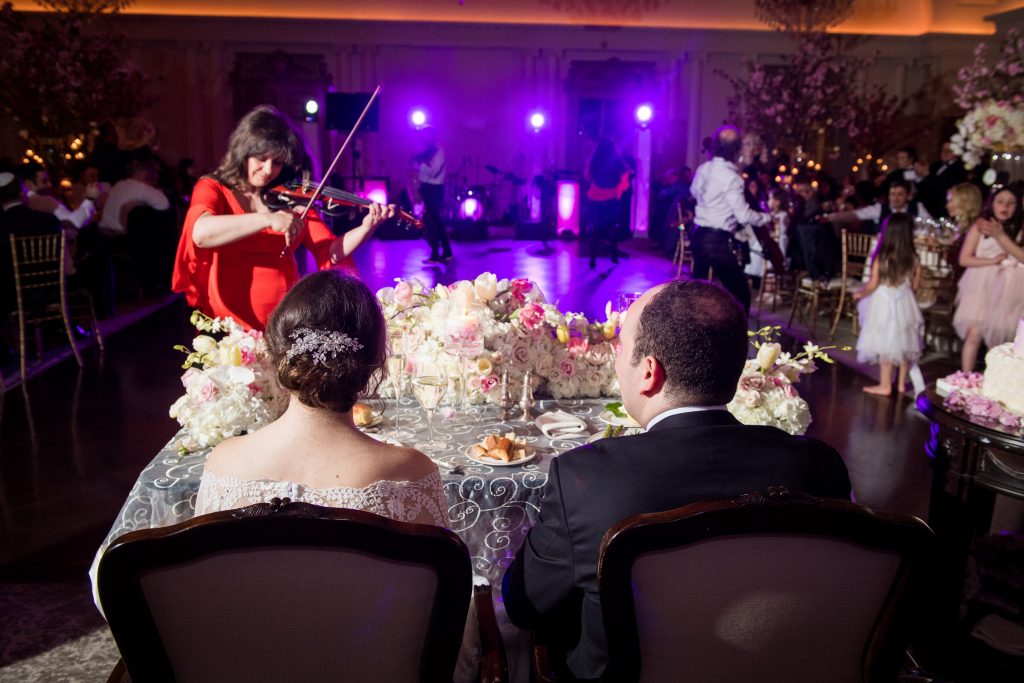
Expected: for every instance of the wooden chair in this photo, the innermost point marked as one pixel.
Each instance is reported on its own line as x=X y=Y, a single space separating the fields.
x=762 y=587
x=857 y=248
x=936 y=296
x=683 y=254
x=42 y=295
x=811 y=296
x=285 y=591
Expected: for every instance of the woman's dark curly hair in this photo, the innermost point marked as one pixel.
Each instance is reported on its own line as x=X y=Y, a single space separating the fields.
x=329 y=301
x=262 y=133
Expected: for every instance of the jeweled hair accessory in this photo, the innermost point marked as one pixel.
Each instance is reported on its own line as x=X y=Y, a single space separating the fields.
x=320 y=343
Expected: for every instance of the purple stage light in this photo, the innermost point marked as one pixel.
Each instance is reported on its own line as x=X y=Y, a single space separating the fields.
x=471 y=209
x=375 y=189
x=568 y=209
x=644 y=113
x=537 y=121
x=418 y=117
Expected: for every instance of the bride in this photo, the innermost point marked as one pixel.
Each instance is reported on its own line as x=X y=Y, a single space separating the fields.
x=327 y=341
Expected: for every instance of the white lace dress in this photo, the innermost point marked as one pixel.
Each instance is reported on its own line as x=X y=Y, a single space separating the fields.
x=403 y=501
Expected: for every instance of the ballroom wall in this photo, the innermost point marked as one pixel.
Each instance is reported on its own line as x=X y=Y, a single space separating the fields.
x=478 y=82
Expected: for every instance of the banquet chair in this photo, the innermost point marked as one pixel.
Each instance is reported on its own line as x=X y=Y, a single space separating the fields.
x=42 y=293
x=765 y=587
x=936 y=296
x=684 y=253
x=285 y=591
x=857 y=248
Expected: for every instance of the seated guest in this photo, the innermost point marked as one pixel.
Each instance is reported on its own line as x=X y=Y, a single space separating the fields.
x=17 y=219
x=683 y=346
x=40 y=197
x=138 y=189
x=327 y=342
x=899 y=202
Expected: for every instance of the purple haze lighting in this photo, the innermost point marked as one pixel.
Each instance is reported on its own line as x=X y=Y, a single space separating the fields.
x=375 y=189
x=471 y=209
x=537 y=120
x=568 y=194
x=418 y=117
x=644 y=113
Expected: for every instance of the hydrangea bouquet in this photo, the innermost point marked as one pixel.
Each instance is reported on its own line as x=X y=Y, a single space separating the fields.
x=235 y=391
x=507 y=326
x=766 y=394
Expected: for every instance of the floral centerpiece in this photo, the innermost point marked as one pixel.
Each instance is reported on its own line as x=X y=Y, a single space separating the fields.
x=518 y=332
x=766 y=394
x=989 y=89
x=235 y=392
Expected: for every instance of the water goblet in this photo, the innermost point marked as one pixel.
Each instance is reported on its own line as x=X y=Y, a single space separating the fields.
x=429 y=384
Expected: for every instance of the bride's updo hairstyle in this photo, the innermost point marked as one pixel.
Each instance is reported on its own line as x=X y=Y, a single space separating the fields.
x=327 y=339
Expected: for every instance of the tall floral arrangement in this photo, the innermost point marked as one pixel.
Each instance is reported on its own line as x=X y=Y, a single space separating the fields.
x=64 y=71
x=234 y=392
x=516 y=331
x=989 y=89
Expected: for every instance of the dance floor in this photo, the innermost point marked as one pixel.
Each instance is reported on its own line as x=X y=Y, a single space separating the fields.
x=73 y=441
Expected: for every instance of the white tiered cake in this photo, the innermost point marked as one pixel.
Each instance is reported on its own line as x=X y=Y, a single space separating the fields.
x=1004 y=373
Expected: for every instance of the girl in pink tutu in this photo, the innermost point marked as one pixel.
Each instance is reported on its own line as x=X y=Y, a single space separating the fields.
x=990 y=296
x=891 y=322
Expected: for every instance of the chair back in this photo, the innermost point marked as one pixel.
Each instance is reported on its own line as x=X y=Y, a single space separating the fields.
x=287 y=591
x=766 y=588
x=857 y=247
x=38 y=263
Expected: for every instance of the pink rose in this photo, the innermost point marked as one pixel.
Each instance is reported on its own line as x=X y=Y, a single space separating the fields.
x=577 y=346
x=567 y=368
x=955 y=401
x=521 y=354
x=983 y=407
x=489 y=382
x=207 y=391
x=403 y=294
x=520 y=287
x=248 y=357
x=752 y=382
x=255 y=334
x=531 y=316
x=791 y=391
x=1009 y=420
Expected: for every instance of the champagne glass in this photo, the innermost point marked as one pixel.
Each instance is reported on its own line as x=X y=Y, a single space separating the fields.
x=396 y=375
x=429 y=384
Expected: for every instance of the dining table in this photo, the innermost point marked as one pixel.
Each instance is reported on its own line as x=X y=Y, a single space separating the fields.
x=490 y=505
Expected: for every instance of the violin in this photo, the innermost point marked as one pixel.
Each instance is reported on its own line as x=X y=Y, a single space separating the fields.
x=329 y=202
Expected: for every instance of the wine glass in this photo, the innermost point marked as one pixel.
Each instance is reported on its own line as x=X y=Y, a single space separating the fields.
x=463 y=338
x=396 y=375
x=429 y=384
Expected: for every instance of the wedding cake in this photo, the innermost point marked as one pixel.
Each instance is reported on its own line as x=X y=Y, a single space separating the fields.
x=1004 y=372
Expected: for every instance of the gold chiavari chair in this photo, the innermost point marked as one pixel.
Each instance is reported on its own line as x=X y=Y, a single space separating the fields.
x=41 y=293
x=856 y=255
x=936 y=295
x=811 y=296
x=684 y=254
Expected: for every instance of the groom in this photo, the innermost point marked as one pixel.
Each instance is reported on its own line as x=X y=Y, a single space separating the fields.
x=683 y=347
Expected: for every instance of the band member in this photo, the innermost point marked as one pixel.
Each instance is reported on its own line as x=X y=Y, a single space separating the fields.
x=430 y=172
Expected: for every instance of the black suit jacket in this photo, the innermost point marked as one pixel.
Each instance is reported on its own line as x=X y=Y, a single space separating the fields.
x=685 y=458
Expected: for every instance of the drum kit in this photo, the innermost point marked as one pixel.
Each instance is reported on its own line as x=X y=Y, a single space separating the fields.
x=495 y=202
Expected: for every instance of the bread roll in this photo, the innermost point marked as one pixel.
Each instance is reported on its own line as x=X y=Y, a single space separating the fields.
x=362 y=414
x=478 y=451
x=491 y=441
x=498 y=454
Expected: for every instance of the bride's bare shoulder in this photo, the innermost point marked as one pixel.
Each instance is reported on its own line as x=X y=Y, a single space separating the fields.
x=231 y=456
x=407 y=464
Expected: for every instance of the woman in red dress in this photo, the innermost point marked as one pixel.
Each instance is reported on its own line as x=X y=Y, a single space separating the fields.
x=229 y=260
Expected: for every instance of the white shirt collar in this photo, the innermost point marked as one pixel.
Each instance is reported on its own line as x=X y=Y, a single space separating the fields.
x=679 y=411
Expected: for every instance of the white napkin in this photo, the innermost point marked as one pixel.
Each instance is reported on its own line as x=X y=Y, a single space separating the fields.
x=1000 y=633
x=561 y=425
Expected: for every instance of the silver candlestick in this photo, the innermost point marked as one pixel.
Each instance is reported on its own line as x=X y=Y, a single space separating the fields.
x=526 y=399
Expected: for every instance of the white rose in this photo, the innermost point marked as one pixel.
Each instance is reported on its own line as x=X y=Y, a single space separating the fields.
x=204 y=344
x=767 y=354
x=486 y=286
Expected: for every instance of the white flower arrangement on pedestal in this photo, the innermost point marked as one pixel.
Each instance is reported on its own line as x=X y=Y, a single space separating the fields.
x=234 y=393
x=568 y=355
x=990 y=126
x=765 y=394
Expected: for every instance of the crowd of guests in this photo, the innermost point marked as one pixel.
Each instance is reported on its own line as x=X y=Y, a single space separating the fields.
x=114 y=203
x=740 y=202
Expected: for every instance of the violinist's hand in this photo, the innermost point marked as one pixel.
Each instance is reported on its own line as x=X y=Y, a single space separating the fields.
x=286 y=223
x=377 y=215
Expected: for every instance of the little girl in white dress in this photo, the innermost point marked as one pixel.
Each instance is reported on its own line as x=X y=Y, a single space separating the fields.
x=891 y=323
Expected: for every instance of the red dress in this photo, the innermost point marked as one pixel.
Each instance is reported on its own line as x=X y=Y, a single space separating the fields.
x=245 y=279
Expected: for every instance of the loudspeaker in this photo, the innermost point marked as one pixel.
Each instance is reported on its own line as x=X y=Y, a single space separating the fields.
x=344 y=108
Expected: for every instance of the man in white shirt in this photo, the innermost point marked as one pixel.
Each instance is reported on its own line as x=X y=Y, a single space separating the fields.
x=899 y=202
x=721 y=210
x=38 y=188
x=136 y=190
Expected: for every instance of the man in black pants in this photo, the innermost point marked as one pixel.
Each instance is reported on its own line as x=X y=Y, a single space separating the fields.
x=721 y=209
x=431 y=178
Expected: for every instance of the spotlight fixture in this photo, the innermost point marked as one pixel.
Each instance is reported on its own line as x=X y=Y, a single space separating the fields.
x=644 y=113
x=418 y=118
x=537 y=121
x=312 y=107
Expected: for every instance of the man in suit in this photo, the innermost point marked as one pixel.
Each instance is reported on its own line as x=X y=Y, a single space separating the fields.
x=683 y=346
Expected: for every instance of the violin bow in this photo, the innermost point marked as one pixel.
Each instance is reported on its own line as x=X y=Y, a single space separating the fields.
x=337 y=157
